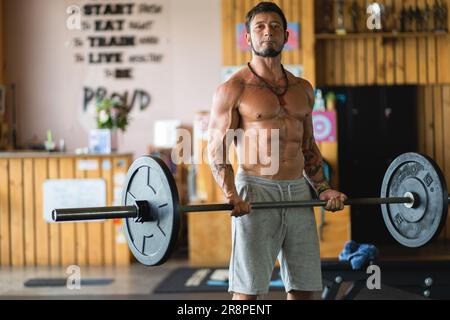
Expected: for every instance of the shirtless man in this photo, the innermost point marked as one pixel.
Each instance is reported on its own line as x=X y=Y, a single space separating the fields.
x=265 y=96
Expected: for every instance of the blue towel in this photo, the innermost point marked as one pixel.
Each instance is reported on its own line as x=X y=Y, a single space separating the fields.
x=358 y=254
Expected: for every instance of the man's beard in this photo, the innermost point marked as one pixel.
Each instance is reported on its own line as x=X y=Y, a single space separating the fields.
x=267 y=53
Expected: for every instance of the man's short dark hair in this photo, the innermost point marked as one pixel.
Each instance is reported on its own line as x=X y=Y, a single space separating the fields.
x=264 y=7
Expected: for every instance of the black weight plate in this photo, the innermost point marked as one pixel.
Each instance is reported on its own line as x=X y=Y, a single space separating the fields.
x=419 y=175
x=152 y=242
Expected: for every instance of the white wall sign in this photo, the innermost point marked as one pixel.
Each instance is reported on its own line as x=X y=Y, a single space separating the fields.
x=87 y=165
x=119 y=47
x=73 y=193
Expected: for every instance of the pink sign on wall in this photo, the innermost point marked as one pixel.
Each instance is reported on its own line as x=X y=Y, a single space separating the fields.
x=324 y=123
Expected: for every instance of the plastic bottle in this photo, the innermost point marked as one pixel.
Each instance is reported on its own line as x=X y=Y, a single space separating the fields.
x=319 y=104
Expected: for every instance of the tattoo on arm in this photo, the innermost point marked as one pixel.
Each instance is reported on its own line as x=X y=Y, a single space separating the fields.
x=217 y=168
x=224 y=176
x=220 y=170
x=314 y=166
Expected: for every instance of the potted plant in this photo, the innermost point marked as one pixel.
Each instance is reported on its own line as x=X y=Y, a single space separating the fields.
x=111 y=116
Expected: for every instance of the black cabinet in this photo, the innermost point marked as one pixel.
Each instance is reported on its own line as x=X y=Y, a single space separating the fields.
x=375 y=124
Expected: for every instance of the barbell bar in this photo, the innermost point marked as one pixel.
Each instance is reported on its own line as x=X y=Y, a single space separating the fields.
x=135 y=211
x=414 y=203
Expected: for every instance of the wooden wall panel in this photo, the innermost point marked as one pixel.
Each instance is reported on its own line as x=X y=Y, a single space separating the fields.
x=431 y=60
x=295 y=16
x=380 y=62
x=417 y=58
x=54 y=228
x=446 y=143
x=29 y=214
x=68 y=252
x=399 y=52
x=371 y=61
x=443 y=63
x=205 y=228
x=5 y=253
x=434 y=132
x=81 y=242
x=400 y=58
x=247 y=7
x=95 y=229
x=239 y=17
x=108 y=226
x=443 y=52
x=436 y=93
x=350 y=72
x=16 y=213
x=389 y=65
x=42 y=232
x=120 y=169
x=228 y=33
x=429 y=122
x=27 y=239
x=330 y=62
x=421 y=119
x=2 y=48
x=339 y=52
x=307 y=42
x=438 y=126
x=422 y=62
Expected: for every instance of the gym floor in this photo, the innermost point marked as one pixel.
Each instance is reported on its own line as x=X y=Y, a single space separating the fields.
x=136 y=282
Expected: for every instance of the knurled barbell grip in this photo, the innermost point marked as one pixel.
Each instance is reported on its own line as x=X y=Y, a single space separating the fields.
x=295 y=204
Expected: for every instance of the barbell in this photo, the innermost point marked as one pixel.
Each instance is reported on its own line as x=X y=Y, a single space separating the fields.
x=414 y=203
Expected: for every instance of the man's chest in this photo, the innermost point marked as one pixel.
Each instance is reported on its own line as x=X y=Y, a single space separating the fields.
x=261 y=104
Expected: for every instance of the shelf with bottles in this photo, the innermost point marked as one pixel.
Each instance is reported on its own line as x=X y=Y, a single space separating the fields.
x=389 y=20
x=387 y=35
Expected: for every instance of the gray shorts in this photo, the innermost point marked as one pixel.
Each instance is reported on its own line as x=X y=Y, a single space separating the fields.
x=261 y=236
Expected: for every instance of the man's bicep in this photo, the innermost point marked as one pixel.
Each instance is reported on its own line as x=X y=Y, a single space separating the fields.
x=308 y=132
x=221 y=117
x=310 y=93
x=224 y=115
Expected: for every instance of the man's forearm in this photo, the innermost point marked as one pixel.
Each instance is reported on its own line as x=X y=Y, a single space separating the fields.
x=224 y=176
x=314 y=169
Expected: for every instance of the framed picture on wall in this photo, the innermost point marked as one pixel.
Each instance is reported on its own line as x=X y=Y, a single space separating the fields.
x=2 y=99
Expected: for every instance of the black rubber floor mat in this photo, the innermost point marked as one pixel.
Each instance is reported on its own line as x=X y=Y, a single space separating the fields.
x=62 y=282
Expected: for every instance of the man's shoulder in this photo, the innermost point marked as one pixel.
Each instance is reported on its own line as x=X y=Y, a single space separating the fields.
x=233 y=86
x=302 y=85
x=300 y=82
x=239 y=78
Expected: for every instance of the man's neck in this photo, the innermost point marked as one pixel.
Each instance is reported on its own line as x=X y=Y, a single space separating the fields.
x=268 y=68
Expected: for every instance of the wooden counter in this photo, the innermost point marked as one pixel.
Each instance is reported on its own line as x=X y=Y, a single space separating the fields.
x=25 y=237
